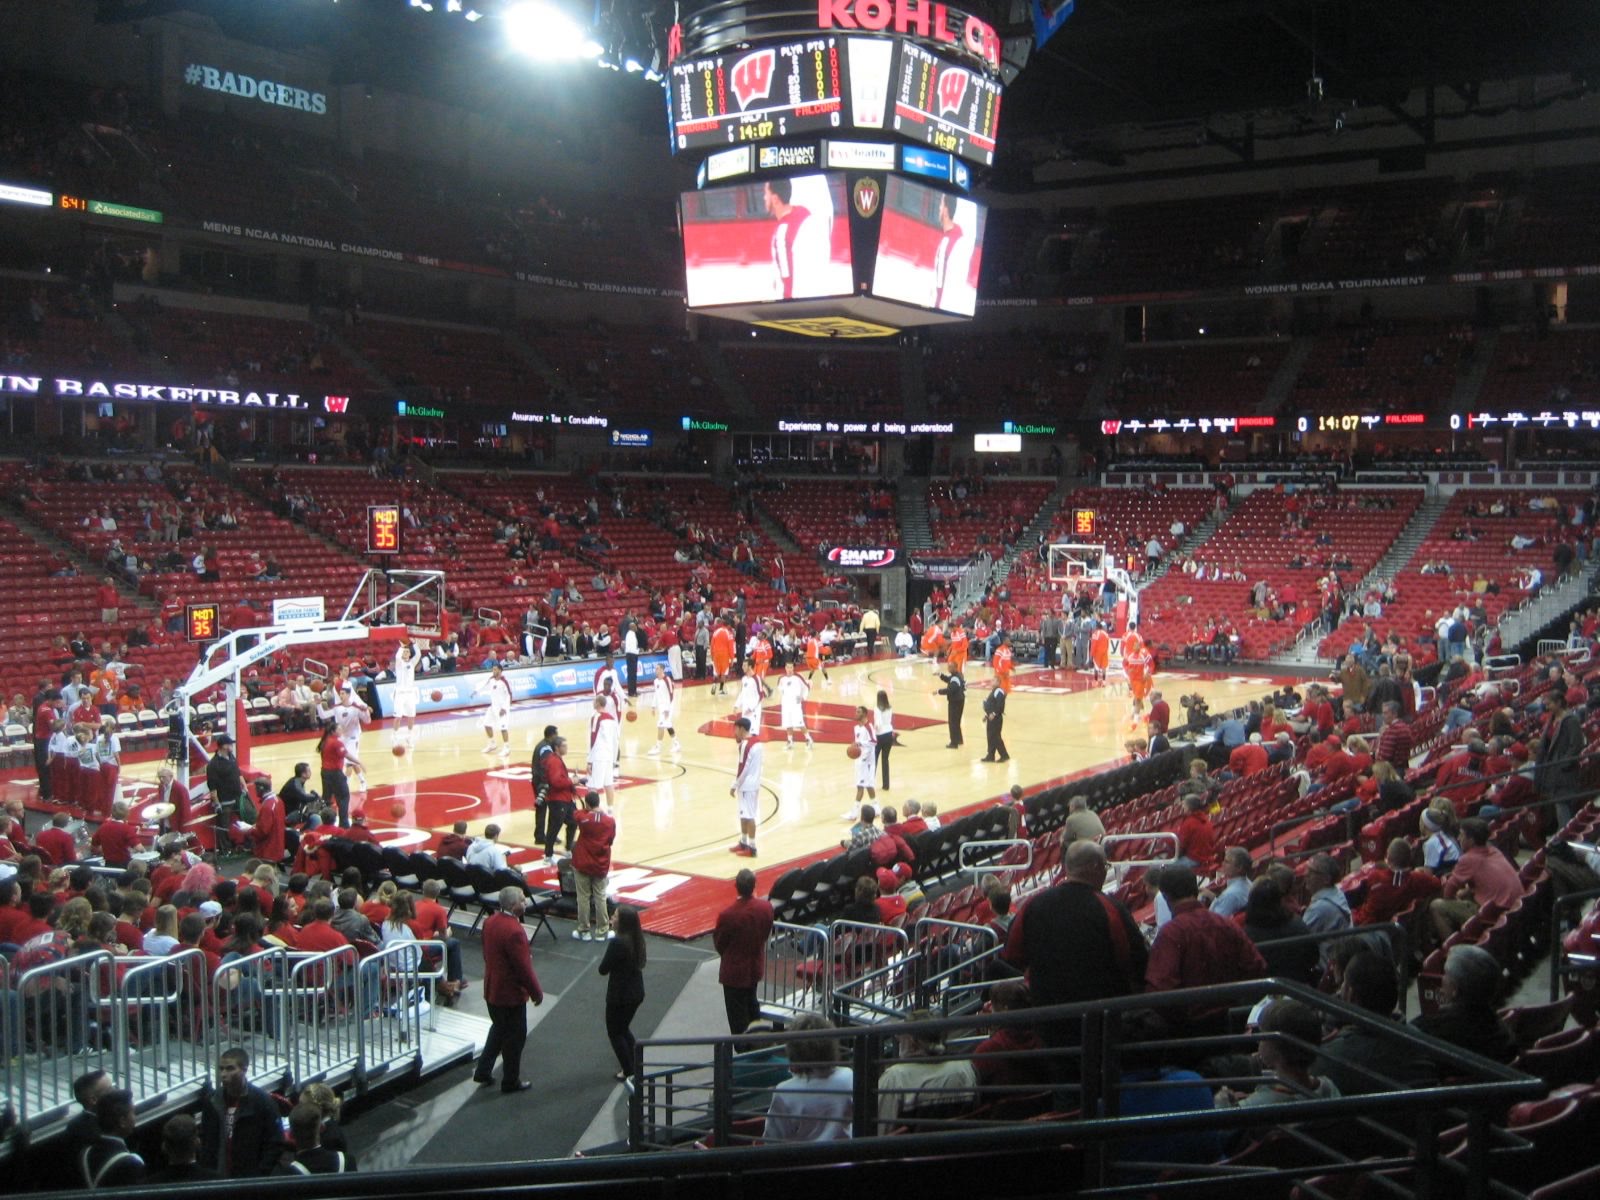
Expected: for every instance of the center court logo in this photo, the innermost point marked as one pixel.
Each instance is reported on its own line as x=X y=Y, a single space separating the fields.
x=248 y=87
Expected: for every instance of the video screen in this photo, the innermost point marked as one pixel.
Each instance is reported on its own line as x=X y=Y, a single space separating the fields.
x=770 y=239
x=930 y=248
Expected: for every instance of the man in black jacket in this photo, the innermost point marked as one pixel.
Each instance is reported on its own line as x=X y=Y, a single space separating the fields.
x=994 y=724
x=955 y=693
x=224 y=782
x=299 y=800
x=1558 y=766
x=107 y=1162
x=546 y=747
x=240 y=1133
x=1075 y=943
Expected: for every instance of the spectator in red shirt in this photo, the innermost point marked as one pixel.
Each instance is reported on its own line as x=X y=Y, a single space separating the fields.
x=591 y=864
x=1010 y=1057
x=1248 y=758
x=1460 y=776
x=1394 y=743
x=1482 y=876
x=1397 y=889
x=1322 y=751
x=508 y=984
x=455 y=843
x=1160 y=714
x=432 y=924
x=55 y=844
x=740 y=938
x=318 y=934
x=1197 y=948
x=1197 y=838
x=115 y=839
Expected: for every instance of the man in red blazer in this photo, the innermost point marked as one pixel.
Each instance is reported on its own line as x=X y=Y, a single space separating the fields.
x=508 y=984
x=266 y=835
x=170 y=791
x=740 y=937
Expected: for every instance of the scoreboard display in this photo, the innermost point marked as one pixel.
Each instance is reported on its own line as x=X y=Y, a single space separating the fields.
x=948 y=107
x=383 y=529
x=203 y=621
x=780 y=91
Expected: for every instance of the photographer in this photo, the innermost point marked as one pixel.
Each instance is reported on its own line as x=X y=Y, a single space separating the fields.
x=1197 y=714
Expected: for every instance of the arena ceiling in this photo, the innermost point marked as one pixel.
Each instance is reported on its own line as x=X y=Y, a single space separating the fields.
x=1116 y=63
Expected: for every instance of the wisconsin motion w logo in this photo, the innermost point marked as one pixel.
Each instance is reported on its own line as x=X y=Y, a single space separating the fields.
x=952 y=89
x=752 y=77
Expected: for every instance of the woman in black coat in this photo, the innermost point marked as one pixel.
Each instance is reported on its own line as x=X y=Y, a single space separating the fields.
x=623 y=966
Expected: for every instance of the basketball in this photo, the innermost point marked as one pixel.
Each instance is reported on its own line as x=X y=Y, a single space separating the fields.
x=436 y=695
x=853 y=751
x=397 y=809
x=316 y=686
x=398 y=750
x=632 y=716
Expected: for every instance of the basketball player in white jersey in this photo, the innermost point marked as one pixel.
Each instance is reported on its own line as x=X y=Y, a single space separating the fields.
x=498 y=712
x=405 y=693
x=348 y=714
x=609 y=686
x=605 y=736
x=664 y=695
x=746 y=789
x=793 y=691
x=865 y=737
x=748 y=703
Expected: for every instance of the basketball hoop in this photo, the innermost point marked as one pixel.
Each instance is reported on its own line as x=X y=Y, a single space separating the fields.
x=1075 y=563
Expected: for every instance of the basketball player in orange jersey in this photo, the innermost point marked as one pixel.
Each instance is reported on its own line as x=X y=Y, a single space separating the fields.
x=1138 y=665
x=933 y=643
x=721 y=656
x=1003 y=663
x=1099 y=652
x=956 y=656
x=814 y=659
x=761 y=663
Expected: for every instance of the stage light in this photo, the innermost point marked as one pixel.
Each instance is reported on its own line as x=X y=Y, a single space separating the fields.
x=423 y=5
x=633 y=66
x=543 y=31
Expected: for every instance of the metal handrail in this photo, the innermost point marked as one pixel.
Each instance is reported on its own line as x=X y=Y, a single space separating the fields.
x=1002 y=845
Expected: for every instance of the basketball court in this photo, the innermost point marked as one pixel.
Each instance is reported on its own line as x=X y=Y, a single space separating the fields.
x=674 y=815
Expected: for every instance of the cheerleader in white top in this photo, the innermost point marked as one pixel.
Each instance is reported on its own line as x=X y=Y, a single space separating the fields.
x=793 y=692
x=664 y=695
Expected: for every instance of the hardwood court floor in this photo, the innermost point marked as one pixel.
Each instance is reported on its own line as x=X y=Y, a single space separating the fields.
x=674 y=815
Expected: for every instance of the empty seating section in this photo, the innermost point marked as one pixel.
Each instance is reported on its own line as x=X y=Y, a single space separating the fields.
x=1529 y=373
x=28 y=626
x=641 y=560
x=53 y=326
x=820 y=514
x=1258 y=542
x=656 y=373
x=460 y=365
x=167 y=581
x=1409 y=368
x=989 y=517
x=1190 y=241
x=839 y=383
x=224 y=170
x=1558 y=225
x=1195 y=379
x=1488 y=557
x=1371 y=228
x=1015 y=373
x=252 y=353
